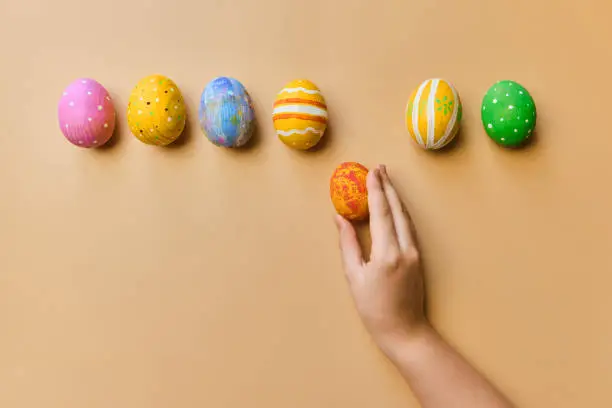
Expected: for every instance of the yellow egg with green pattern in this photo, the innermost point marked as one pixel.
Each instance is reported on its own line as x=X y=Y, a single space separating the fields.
x=433 y=114
x=156 y=111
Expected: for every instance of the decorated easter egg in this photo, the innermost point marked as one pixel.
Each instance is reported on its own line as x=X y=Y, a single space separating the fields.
x=226 y=113
x=348 y=190
x=433 y=114
x=86 y=113
x=300 y=114
x=156 y=111
x=508 y=113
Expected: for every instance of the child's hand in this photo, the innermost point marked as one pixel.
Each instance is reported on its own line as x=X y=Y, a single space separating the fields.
x=388 y=290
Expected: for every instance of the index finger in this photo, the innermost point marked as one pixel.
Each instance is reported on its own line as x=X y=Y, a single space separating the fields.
x=384 y=239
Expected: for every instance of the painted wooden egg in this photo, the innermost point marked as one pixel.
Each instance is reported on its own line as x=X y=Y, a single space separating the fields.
x=349 y=192
x=300 y=114
x=86 y=113
x=433 y=114
x=156 y=111
x=508 y=113
x=226 y=113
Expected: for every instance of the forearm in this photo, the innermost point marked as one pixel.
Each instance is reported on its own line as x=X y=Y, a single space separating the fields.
x=438 y=375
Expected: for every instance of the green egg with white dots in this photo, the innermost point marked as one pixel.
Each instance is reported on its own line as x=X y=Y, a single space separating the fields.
x=508 y=113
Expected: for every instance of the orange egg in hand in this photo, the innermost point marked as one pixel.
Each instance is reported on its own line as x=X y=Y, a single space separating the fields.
x=348 y=191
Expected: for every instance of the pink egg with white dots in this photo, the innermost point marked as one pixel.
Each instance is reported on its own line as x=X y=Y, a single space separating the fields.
x=86 y=113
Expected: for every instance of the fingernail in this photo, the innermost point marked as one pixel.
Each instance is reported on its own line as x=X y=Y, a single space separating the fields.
x=383 y=169
x=374 y=178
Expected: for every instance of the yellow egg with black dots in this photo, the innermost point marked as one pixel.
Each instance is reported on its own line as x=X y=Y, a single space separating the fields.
x=156 y=111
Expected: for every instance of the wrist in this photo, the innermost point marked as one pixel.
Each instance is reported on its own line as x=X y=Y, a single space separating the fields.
x=406 y=343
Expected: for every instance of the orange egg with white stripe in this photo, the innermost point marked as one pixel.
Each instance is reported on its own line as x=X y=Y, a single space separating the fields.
x=433 y=114
x=300 y=114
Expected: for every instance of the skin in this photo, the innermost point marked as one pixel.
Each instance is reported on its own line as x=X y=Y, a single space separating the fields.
x=389 y=295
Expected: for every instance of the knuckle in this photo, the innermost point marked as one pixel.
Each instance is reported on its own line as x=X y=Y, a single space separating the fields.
x=392 y=259
x=386 y=210
x=412 y=256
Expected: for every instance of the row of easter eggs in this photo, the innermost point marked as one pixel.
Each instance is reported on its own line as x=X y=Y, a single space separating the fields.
x=156 y=113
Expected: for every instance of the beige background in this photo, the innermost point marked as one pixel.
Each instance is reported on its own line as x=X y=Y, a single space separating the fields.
x=193 y=276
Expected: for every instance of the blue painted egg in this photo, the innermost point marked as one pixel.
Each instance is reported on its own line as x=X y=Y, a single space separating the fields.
x=226 y=113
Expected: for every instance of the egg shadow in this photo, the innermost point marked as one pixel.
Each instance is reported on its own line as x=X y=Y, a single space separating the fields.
x=192 y=124
x=528 y=145
x=327 y=140
x=325 y=143
x=251 y=145
x=185 y=137
x=116 y=138
x=455 y=146
x=320 y=148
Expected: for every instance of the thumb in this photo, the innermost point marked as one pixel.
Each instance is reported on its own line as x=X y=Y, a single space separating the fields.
x=349 y=245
